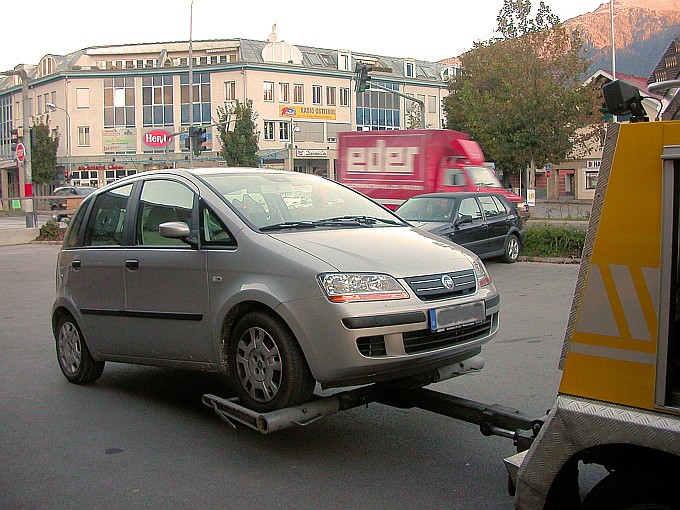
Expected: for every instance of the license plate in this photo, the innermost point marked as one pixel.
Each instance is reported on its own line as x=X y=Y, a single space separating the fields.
x=451 y=317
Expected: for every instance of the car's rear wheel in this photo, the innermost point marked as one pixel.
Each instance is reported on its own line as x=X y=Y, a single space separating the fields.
x=511 y=249
x=75 y=360
x=267 y=364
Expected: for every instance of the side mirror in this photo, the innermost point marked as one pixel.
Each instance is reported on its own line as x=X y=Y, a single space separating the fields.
x=463 y=218
x=177 y=230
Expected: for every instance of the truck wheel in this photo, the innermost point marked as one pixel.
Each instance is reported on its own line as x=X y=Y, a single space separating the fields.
x=74 y=357
x=268 y=367
x=511 y=249
x=633 y=491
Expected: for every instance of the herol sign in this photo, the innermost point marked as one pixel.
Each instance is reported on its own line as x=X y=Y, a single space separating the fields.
x=157 y=138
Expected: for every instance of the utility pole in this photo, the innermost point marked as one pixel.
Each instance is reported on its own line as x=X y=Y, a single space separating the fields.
x=27 y=190
x=191 y=85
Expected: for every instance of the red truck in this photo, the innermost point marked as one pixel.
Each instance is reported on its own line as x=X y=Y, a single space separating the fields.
x=392 y=166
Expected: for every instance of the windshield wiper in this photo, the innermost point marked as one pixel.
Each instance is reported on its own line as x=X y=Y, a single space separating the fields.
x=289 y=224
x=359 y=220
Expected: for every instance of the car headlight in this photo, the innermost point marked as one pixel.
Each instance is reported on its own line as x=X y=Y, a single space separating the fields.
x=482 y=275
x=347 y=287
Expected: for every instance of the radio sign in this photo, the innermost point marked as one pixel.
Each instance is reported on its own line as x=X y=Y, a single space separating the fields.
x=157 y=138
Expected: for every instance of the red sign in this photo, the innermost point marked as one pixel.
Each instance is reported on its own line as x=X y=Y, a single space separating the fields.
x=157 y=138
x=547 y=173
x=21 y=152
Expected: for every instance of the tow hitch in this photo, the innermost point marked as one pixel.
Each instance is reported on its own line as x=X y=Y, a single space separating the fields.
x=493 y=419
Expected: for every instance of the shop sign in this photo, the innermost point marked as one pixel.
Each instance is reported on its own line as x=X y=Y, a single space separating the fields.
x=311 y=153
x=120 y=140
x=593 y=164
x=156 y=138
x=307 y=112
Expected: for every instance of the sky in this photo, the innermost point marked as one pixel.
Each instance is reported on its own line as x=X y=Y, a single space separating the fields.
x=424 y=30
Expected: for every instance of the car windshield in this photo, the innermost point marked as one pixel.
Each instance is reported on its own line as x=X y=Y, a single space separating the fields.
x=483 y=177
x=427 y=209
x=276 y=201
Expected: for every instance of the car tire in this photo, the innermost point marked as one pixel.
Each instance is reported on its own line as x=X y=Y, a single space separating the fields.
x=633 y=491
x=75 y=360
x=268 y=367
x=511 y=249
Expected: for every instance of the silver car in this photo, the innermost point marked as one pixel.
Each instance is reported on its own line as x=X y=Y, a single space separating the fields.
x=218 y=270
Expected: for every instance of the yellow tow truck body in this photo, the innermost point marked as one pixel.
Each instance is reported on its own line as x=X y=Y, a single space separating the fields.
x=619 y=397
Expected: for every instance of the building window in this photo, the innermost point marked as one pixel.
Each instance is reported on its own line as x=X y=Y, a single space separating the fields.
x=268 y=130
x=330 y=96
x=119 y=102
x=591 y=180
x=201 y=106
x=284 y=131
x=344 y=96
x=316 y=94
x=82 y=98
x=83 y=136
x=378 y=110
x=40 y=103
x=46 y=66
x=268 y=90
x=230 y=90
x=343 y=62
x=284 y=92
x=408 y=69
x=157 y=100
x=298 y=93
x=431 y=104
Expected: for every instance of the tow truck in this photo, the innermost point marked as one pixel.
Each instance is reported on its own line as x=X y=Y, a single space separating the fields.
x=618 y=403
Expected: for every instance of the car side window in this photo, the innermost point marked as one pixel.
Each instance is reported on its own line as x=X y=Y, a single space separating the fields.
x=502 y=209
x=105 y=225
x=213 y=231
x=163 y=201
x=470 y=207
x=490 y=206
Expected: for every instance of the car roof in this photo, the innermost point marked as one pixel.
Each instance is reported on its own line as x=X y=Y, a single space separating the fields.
x=459 y=194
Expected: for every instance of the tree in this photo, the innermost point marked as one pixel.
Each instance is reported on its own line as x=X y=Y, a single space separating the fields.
x=521 y=95
x=239 y=146
x=43 y=153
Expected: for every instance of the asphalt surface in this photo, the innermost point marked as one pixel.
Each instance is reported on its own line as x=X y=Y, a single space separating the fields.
x=140 y=437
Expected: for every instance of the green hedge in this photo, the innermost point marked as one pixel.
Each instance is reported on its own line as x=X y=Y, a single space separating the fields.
x=547 y=241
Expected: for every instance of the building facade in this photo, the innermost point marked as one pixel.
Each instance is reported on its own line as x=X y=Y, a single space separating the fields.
x=120 y=110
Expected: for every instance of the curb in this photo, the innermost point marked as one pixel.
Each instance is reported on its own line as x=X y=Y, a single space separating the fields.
x=549 y=260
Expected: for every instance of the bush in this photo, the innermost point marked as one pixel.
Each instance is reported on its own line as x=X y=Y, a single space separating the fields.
x=547 y=241
x=50 y=231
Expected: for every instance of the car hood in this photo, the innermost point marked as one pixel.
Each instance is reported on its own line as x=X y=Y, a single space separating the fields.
x=398 y=251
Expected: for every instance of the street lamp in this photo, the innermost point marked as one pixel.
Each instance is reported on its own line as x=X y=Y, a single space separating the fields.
x=293 y=129
x=53 y=106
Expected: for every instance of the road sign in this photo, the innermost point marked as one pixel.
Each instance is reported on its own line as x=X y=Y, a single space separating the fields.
x=547 y=173
x=20 y=152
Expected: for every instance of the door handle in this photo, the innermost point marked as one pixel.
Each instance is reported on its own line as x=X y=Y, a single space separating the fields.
x=75 y=264
x=132 y=264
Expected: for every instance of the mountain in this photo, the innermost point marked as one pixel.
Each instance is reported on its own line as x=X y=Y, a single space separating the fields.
x=643 y=30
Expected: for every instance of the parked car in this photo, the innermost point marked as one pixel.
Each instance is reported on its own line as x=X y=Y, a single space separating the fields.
x=485 y=223
x=59 y=204
x=209 y=269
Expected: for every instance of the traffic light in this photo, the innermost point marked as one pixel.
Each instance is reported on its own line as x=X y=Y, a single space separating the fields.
x=187 y=140
x=199 y=140
x=14 y=135
x=362 y=77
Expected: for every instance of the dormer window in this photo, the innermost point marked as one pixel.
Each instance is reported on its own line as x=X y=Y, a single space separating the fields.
x=46 y=66
x=344 y=61
x=409 y=69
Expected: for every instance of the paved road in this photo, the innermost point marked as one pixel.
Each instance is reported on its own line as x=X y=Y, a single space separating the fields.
x=140 y=437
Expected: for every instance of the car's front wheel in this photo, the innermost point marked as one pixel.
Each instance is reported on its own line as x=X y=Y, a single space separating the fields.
x=75 y=360
x=267 y=364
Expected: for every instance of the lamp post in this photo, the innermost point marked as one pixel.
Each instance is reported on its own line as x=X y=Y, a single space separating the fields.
x=191 y=85
x=31 y=218
x=53 y=106
x=293 y=129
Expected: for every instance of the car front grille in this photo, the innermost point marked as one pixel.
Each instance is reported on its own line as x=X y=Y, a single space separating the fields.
x=424 y=340
x=433 y=286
